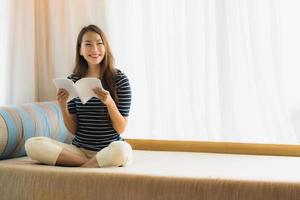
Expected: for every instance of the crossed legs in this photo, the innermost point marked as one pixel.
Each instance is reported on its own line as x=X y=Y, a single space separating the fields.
x=51 y=152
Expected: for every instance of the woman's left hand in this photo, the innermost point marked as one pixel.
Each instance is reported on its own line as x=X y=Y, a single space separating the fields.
x=103 y=95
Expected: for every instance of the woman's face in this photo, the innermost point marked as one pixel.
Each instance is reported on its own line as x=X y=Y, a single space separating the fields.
x=92 y=48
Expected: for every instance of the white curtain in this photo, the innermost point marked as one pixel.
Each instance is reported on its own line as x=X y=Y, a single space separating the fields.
x=3 y=51
x=203 y=70
x=290 y=48
x=199 y=69
x=17 y=47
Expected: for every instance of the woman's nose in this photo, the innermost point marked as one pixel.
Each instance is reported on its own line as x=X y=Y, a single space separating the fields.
x=94 y=47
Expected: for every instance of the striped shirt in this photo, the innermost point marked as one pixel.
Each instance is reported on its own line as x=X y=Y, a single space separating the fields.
x=94 y=128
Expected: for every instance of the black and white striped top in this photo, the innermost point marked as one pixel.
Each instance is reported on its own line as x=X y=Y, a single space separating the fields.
x=94 y=128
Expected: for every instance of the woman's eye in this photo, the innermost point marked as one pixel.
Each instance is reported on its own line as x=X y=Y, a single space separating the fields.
x=100 y=43
x=87 y=44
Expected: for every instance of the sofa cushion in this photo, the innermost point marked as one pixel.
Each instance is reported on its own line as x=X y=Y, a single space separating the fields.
x=20 y=122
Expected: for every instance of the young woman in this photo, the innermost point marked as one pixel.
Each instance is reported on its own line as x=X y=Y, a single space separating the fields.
x=97 y=125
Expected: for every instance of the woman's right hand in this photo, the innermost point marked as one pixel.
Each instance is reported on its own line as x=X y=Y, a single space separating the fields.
x=62 y=97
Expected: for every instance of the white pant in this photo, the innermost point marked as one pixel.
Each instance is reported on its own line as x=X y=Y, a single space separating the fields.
x=47 y=150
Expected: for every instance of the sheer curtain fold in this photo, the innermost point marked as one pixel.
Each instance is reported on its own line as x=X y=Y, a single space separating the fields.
x=43 y=52
x=4 y=52
x=20 y=80
x=199 y=70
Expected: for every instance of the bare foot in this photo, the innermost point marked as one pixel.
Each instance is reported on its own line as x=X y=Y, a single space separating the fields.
x=92 y=163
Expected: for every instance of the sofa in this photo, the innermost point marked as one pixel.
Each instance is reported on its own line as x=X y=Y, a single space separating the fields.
x=156 y=173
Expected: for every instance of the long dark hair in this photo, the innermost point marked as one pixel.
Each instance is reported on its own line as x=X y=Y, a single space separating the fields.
x=107 y=72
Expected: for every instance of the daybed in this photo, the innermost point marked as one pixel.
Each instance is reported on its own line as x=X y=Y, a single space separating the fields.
x=153 y=174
